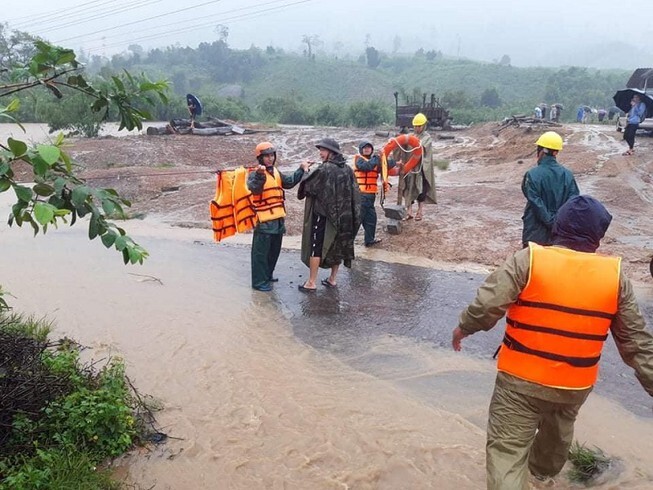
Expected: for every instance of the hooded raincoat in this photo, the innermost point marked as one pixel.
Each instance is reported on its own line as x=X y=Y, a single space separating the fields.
x=519 y=408
x=414 y=180
x=331 y=191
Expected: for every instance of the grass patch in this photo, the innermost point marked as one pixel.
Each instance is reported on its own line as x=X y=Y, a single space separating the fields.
x=587 y=464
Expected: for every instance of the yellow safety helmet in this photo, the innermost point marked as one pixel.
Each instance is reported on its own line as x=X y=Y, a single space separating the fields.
x=264 y=148
x=550 y=140
x=419 y=119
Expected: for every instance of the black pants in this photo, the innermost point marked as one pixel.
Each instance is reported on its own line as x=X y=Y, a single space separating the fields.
x=629 y=134
x=426 y=187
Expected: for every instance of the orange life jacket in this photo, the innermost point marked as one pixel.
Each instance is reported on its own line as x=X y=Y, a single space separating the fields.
x=556 y=329
x=366 y=179
x=269 y=204
x=222 y=208
x=244 y=212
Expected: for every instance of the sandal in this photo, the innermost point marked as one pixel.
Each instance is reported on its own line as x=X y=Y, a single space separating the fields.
x=304 y=289
x=418 y=218
x=325 y=282
x=628 y=153
x=407 y=217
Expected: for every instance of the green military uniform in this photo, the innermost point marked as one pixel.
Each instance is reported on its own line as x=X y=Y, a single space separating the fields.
x=421 y=180
x=519 y=407
x=266 y=242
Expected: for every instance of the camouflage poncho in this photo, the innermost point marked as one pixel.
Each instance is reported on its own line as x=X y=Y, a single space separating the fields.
x=331 y=191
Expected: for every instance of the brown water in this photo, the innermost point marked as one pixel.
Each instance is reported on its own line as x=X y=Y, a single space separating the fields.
x=254 y=407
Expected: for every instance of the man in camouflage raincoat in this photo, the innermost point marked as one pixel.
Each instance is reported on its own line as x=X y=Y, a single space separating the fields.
x=331 y=215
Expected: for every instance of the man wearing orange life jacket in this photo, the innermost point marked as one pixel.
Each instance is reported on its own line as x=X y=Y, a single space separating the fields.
x=266 y=185
x=367 y=168
x=561 y=301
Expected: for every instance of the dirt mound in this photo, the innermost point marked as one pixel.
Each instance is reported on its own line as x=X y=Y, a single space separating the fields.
x=478 y=215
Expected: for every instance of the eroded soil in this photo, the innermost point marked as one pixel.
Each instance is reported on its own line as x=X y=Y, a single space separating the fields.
x=478 y=215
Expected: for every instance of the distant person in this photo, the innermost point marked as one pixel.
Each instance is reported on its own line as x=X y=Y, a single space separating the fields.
x=636 y=115
x=544 y=108
x=546 y=187
x=580 y=113
x=194 y=108
x=367 y=169
x=266 y=185
x=420 y=181
x=537 y=112
x=615 y=111
x=331 y=215
x=553 y=113
x=560 y=302
x=602 y=113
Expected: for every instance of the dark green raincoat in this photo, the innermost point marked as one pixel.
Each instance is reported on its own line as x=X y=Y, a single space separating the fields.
x=546 y=187
x=330 y=190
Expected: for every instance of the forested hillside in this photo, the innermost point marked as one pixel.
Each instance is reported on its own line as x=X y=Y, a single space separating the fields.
x=271 y=85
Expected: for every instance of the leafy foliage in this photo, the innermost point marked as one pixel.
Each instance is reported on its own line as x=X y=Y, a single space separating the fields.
x=57 y=194
x=64 y=418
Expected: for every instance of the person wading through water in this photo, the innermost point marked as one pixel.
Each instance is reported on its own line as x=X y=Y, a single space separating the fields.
x=561 y=301
x=331 y=215
x=266 y=186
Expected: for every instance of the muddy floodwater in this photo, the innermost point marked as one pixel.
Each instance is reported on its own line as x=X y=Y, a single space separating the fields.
x=354 y=388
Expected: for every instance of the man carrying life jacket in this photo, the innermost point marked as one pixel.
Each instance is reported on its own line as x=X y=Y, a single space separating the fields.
x=561 y=301
x=266 y=185
x=367 y=168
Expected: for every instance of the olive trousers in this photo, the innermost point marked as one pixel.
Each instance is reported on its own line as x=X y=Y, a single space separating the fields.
x=526 y=433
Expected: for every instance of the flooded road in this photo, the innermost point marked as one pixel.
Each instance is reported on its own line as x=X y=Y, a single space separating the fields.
x=349 y=388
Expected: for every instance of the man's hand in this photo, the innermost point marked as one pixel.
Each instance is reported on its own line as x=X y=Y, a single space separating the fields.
x=261 y=169
x=305 y=166
x=458 y=336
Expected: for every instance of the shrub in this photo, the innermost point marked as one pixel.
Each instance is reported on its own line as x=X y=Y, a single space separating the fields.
x=369 y=114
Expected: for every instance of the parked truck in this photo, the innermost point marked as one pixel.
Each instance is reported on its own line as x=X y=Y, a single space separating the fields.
x=437 y=115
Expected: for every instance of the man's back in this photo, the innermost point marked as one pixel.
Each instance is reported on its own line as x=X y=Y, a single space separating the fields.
x=546 y=188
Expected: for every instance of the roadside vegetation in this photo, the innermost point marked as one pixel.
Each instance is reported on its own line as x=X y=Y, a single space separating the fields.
x=62 y=419
x=587 y=464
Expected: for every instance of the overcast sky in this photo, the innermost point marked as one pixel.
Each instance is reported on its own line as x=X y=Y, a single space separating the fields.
x=531 y=32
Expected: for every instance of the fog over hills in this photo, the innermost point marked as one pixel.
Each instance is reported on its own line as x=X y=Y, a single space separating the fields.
x=531 y=33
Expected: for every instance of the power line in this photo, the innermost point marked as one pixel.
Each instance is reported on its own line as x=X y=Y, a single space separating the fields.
x=45 y=20
x=17 y=20
x=170 y=24
x=102 y=15
x=188 y=29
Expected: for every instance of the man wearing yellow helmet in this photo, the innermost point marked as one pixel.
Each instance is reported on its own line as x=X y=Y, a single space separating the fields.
x=546 y=187
x=419 y=183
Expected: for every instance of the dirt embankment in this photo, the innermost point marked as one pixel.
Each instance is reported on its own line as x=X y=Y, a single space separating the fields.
x=478 y=215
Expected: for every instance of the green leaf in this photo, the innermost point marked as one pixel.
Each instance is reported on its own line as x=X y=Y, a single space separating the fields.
x=49 y=153
x=119 y=84
x=109 y=238
x=23 y=193
x=40 y=166
x=43 y=212
x=43 y=189
x=4 y=184
x=121 y=243
x=93 y=227
x=13 y=106
x=18 y=148
x=80 y=195
x=4 y=167
x=109 y=207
